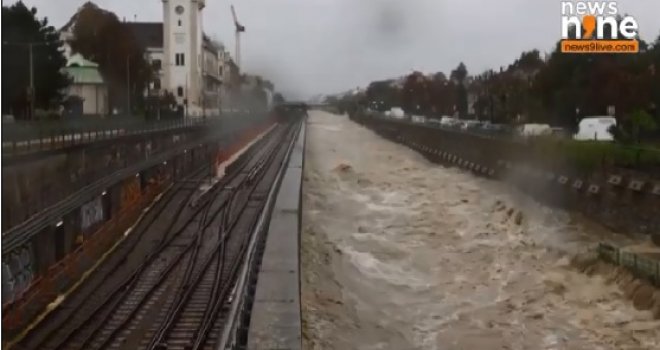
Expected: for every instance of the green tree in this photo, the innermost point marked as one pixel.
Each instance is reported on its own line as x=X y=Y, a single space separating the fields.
x=641 y=122
x=278 y=98
x=416 y=94
x=21 y=27
x=102 y=38
x=459 y=74
x=382 y=95
x=529 y=61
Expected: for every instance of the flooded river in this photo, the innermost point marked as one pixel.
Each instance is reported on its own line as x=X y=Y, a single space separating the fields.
x=400 y=253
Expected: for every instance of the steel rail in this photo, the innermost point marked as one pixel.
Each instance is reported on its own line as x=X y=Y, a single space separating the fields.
x=228 y=231
x=152 y=219
x=125 y=288
x=130 y=280
x=228 y=336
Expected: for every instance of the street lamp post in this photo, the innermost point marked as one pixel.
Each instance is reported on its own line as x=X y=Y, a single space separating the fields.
x=32 y=94
x=128 y=84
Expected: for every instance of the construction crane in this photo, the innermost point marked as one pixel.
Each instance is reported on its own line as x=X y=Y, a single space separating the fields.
x=239 y=29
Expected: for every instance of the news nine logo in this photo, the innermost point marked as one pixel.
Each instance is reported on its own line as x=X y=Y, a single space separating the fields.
x=597 y=27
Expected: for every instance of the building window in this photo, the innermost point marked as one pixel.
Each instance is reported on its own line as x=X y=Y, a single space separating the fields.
x=179 y=59
x=157 y=84
x=179 y=23
x=157 y=64
x=220 y=71
x=179 y=91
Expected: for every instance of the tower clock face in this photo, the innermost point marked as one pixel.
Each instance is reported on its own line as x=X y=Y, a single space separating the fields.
x=179 y=9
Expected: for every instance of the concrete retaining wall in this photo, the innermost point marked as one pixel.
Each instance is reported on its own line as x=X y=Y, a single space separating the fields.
x=32 y=185
x=622 y=200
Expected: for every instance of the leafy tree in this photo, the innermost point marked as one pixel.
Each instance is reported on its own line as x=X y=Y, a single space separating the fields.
x=560 y=90
x=641 y=122
x=278 y=98
x=20 y=27
x=416 y=94
x=382 y=95
x=459 y=74
x=439 y=77
x=101 y=37
x=160 y=107
x=529 y=60
x=443 y=96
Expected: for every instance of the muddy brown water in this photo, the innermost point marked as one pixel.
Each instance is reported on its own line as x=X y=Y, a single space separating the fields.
x=400 y=253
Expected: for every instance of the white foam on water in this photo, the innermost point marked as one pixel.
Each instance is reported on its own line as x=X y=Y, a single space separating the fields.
x=426 y=258
x=390 y=272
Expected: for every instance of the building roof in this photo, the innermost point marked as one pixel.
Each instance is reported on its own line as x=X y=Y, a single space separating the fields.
x=148 y=34
x=83 y=71
x=77 y=60
x=84 y=75
x=212 y=45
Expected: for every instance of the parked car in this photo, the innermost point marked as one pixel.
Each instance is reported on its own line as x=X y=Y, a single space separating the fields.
x=596 y=128
x=418 y=119
x=448 y=121
x=470 y=124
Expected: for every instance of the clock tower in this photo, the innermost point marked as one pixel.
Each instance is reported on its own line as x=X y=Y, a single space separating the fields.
x=182 y=51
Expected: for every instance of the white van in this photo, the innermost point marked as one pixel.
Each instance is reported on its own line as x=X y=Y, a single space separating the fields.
x=527 y=130
x=595 y=128
x=397 y=112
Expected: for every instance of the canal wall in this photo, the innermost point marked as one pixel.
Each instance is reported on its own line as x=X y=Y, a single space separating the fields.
x=623 y=200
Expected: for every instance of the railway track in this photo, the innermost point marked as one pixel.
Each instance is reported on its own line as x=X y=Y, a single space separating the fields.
x=74 y=314
x=190 y=322
x=175 y=296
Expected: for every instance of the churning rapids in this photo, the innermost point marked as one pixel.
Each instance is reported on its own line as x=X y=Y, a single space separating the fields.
x=399 y=253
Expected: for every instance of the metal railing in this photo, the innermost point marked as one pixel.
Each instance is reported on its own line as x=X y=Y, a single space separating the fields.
x=26 y=137
x=68 y=183
x=640 y=266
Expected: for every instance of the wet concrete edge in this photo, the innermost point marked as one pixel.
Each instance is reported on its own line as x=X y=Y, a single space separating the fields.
x=276 y=317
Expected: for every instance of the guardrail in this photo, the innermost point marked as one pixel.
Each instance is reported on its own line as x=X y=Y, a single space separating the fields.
x=26 y=137
x=642 y=267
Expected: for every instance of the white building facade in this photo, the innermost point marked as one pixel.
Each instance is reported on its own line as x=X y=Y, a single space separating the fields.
x=187 y=64
x=192 y=64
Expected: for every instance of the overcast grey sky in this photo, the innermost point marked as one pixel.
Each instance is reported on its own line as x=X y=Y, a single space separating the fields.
x=324 y=46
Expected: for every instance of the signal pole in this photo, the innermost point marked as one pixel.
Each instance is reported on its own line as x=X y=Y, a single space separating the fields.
x=32 y=95
x=128 y=83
